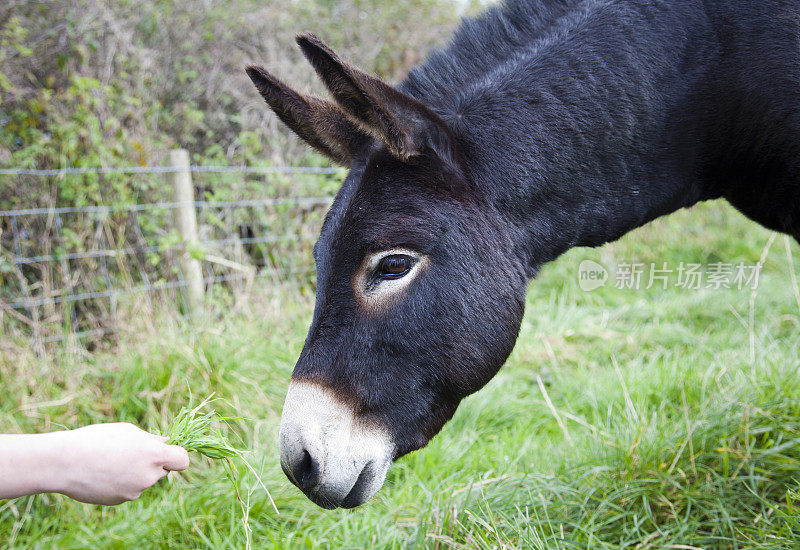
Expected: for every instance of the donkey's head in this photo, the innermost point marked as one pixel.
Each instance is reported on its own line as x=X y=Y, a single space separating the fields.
x=419 y=292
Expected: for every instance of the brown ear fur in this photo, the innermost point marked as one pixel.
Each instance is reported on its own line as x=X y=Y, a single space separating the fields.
x=320 y=123
x=398 y=120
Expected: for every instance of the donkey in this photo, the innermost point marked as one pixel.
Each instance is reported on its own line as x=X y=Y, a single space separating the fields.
x=543 y=125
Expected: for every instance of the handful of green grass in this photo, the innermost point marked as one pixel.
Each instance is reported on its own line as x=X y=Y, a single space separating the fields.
x=196 y=430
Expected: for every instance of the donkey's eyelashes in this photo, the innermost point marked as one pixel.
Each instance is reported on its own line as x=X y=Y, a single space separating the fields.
x=394 y=266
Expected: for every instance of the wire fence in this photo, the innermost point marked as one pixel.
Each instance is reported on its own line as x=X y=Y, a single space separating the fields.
x=168 y=170
x=67 y=270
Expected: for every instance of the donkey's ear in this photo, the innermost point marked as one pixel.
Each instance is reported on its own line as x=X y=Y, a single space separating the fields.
x=401 y=122
x=320 y=123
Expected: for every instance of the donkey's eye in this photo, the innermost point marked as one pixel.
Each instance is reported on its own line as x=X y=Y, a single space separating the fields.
x=385 y=275
x=394 y=266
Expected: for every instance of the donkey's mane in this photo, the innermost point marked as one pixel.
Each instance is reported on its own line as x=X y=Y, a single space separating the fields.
x=479 y=46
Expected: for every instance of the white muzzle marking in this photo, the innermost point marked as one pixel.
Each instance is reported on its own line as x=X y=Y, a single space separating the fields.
x=335 y=458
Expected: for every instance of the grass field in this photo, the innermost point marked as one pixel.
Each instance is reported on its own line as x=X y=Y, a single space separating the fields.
x=623 y=419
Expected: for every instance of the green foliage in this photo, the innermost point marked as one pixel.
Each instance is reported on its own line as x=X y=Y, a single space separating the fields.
x=91 y=83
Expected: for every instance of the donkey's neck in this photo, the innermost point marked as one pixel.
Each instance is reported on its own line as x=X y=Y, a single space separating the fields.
x=596 y=128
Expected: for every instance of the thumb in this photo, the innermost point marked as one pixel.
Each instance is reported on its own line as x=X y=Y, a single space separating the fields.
x=175 y=458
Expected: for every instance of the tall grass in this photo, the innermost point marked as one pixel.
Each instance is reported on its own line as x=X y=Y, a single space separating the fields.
x=623 y=419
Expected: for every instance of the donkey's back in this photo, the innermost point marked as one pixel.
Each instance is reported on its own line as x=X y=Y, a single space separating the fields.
x=746 y=112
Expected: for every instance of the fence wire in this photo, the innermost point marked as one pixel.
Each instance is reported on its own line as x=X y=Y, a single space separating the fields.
x=168 y=170
x=300 y=201
x=64 y=269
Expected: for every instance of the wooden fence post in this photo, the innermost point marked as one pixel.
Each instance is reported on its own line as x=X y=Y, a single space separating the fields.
x=186 y=222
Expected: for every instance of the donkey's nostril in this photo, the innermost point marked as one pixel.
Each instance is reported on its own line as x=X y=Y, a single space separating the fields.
x=306 y=471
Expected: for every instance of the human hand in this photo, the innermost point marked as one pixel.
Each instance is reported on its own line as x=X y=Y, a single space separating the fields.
x=111 y=463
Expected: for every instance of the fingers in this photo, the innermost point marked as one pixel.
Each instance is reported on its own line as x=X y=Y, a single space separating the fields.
x=175 y=458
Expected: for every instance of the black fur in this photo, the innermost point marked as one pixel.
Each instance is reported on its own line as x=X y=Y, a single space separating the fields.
x=546 y=125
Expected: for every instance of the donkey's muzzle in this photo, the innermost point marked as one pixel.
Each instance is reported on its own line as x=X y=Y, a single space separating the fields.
x=336 y=458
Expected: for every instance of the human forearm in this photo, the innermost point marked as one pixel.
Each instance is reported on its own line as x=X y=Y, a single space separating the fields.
x=100 y=464
x=29 y=464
